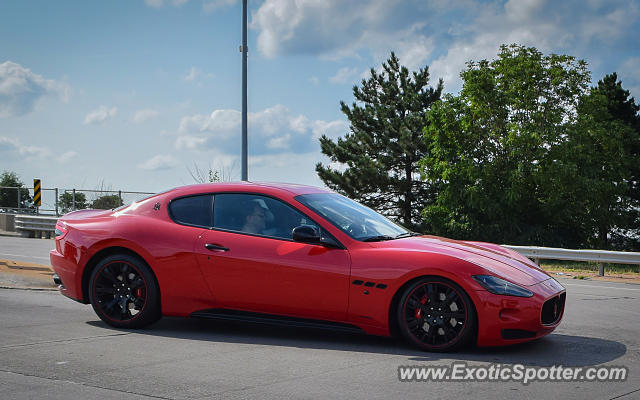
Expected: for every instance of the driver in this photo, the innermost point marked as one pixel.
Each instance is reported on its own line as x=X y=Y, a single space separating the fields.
x=255 y=221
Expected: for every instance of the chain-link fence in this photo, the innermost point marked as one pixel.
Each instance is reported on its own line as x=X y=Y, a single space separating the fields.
x=57 y=201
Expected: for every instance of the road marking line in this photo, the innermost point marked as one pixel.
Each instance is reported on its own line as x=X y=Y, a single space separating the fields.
x=21 y=255
x=11 y=346
x=601 y=287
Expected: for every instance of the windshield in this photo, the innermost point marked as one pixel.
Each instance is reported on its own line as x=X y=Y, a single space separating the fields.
x=352 y=218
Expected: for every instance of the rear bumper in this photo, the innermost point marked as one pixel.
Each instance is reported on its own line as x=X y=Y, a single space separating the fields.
x=67 y=272
x=508 y=320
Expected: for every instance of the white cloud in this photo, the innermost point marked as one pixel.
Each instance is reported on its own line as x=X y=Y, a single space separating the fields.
x=192 y=74
x=66 y=156
x=314 y=79
x=20 y=89
x=274 y=128
x=220 y=122
x=283 y=145
x=144 y=115
x=274 y=120
x=207 y=5
x=443 y=34
x=630 y=69
x=629 y=74
x=522 y=22
x=548 y=26
x=345 y=75
x=331 y=129
x=212 y=5
x=412 y=48
x=196 y=75
x=161 y=161
x=14 y=147
x=611 y=25
x=523 y=10
x=342 y=29
x=100 y=115
x=279 y=142
x=190 y=142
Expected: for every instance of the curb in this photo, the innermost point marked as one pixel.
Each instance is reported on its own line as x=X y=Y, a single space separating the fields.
x=35 y=289
x=25 y=275
x=10 y=234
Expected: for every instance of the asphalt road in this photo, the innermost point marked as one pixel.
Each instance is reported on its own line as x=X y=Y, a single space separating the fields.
x=54 y=348
x=24 y=249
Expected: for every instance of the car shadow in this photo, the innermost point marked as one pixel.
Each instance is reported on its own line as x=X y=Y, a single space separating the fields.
x=554 y=349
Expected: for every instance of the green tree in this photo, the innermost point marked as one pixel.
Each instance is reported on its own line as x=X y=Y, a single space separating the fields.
x=492 y=148
x=106 y=202
x=601 y=162
x=65 y=202
x=9 y=197
x=379 y=156
x=623 y=107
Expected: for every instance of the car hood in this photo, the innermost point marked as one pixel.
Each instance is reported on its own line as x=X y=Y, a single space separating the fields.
x=498 y=260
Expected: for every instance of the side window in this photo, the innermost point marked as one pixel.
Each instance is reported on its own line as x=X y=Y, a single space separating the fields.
x=193 y=210
x=256 y=214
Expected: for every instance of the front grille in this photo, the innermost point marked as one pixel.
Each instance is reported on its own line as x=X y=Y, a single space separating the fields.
x=552 y=309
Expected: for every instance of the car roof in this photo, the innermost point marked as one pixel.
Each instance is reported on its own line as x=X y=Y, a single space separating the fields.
x=245 y=186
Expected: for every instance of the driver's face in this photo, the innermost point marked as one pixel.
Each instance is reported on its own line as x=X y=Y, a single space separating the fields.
x=257 y=217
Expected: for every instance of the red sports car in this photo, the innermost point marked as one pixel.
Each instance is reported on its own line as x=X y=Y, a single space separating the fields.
x=298 y=255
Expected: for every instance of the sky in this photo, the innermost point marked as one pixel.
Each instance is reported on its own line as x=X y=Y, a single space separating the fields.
x=135 y=94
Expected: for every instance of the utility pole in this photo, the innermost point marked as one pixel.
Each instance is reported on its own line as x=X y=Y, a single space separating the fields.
x=245 y=172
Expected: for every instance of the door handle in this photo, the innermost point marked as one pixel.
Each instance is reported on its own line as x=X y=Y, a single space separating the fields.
x=215 y=247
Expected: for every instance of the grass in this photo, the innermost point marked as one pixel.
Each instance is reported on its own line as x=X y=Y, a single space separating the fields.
x=578 y=266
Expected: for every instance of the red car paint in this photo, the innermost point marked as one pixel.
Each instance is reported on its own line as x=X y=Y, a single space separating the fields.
x=295 y=279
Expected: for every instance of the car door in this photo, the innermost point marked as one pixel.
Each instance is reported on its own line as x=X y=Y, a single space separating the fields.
x=172 y=243
x=254 y=265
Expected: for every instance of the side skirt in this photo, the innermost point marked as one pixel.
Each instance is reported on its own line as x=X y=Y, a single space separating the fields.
x=274 y=320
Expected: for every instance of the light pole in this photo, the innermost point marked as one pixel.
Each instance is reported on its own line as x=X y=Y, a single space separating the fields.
x=245 y=172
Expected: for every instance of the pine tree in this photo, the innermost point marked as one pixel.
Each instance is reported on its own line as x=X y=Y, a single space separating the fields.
x=379 y=156
x=606 y=146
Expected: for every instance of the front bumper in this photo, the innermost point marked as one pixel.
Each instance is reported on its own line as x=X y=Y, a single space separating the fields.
x=504 y=320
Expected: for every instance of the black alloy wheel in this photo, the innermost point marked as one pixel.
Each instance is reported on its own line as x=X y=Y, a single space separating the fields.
x=436 y=314
x=124 y=293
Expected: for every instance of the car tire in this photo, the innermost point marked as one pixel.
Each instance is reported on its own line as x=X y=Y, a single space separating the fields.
x=124 y=293
x=436 y=314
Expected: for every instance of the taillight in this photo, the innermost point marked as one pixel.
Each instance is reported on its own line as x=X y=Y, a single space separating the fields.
x=61 y=229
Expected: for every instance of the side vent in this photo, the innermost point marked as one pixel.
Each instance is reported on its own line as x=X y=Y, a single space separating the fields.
x=381 y=286
x=359 y=282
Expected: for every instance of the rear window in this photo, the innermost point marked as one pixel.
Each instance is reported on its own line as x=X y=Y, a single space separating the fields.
x=193 y=210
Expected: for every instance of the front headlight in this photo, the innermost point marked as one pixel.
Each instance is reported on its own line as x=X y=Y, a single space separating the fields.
x=496 y=285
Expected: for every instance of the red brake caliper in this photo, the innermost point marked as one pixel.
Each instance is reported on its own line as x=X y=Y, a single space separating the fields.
x=423 y=300
x=139 y=292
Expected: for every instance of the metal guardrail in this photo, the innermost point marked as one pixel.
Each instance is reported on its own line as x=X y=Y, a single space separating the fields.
x=35 y=226
x=600 y=256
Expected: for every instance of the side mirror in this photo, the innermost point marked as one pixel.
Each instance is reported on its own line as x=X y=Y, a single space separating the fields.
x=306 y=234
